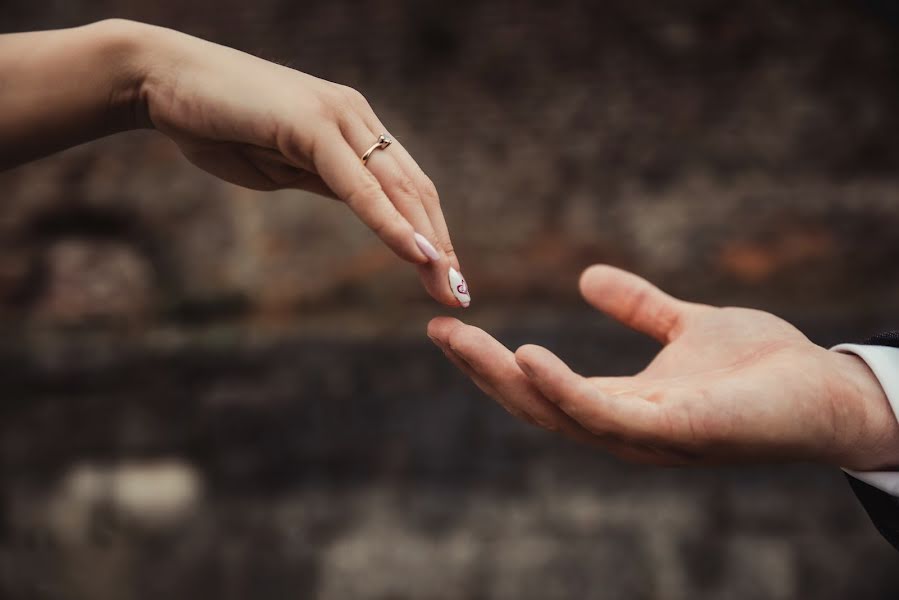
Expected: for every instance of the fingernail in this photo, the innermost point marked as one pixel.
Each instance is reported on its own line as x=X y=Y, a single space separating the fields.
x=459 y=287
x=425 y=246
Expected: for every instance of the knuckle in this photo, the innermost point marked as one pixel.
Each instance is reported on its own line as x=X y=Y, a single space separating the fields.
x=324 y=107
x=402 y=184
x=302 y=150
x=455 y=340
x=393 y=228
x=353 y=96
x=367 y=190
x=447 y=246
x=638 y=303
x=429 y=191
x=668 y=320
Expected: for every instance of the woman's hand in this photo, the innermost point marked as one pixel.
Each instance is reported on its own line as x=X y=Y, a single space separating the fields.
x=730 y=385
x=241 y=118
x=265 y=126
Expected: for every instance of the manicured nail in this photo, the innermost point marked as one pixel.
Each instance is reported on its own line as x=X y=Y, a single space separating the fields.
x=459 y=287
x=425 y=246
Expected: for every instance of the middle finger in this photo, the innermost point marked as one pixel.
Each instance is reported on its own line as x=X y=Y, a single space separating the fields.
x=402 y=192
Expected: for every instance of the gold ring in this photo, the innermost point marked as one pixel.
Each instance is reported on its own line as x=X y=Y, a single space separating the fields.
x=384 y=140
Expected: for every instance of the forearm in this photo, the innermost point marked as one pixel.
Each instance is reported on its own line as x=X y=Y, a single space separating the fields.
x=61 y=88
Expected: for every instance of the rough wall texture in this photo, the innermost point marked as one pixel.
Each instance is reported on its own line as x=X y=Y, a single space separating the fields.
x=212 y=391
x=713 y=147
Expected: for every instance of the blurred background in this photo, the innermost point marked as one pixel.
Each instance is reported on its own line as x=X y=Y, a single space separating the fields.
x=214 y=392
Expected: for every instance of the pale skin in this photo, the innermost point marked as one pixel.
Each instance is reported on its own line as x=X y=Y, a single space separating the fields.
x=730 y=385
x=248 y=121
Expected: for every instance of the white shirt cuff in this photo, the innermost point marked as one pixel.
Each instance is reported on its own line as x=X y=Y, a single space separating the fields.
x=884 y=363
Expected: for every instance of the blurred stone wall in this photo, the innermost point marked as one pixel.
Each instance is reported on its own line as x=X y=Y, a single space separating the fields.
x=736 y=152
x=210 y=391
x=184 y=467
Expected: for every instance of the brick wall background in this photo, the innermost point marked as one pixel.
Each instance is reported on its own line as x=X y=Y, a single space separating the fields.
x=214 y=391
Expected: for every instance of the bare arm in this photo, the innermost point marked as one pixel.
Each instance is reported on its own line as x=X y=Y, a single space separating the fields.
x=61 y=88
x=248 y=121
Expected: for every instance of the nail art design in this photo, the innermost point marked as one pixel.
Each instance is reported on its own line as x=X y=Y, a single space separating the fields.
x=425 y=246
x=459 y=287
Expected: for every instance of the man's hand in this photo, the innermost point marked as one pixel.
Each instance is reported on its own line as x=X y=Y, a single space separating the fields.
x=730 y=385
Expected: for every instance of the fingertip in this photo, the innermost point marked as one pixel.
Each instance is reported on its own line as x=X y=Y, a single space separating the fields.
x=528 y=357
x=434 y=278
x=459 y=287
x=467 y=339
x=526 y=350
x=593 y=276
x=448 y=301
x=440 y=327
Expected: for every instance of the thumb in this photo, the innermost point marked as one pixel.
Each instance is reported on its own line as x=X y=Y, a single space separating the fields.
x=633 y=301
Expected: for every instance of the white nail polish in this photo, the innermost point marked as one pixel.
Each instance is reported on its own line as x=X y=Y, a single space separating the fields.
x=459 y=287
x=425 y=246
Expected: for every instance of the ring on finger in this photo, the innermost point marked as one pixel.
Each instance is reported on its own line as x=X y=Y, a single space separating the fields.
x=384 y=140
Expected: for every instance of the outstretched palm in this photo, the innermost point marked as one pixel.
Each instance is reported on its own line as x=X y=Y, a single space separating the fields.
x=730 y=384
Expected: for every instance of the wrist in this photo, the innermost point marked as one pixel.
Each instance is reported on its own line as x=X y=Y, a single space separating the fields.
x=120 y=49
x=873 y=442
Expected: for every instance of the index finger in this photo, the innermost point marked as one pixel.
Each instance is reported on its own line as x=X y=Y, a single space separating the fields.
x=495 y=365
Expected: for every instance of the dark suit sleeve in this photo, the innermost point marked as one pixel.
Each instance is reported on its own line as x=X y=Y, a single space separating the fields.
x=881 y=507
